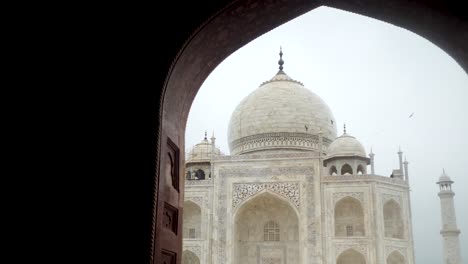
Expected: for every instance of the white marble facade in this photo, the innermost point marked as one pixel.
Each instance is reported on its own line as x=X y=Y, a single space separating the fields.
x=278 y=200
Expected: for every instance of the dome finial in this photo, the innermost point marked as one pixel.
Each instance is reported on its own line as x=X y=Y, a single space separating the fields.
x=281 y=62
x=206 y=135
x=344 y=129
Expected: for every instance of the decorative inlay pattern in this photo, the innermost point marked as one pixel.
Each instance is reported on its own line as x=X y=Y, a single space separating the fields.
x=197 y=200
x=289 y=190
x=357 y=195
x=386 y=197
x=271 y=260
x=278 y=139
x=265 y=172
x=390 y=249
x=193 y=248
x=199 y=182
x=268 y=156
x=361 y=248
x=384 y=179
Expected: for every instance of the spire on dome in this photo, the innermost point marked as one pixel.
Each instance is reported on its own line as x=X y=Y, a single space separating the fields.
x=281 y=62
x=344 y=129
x=206 y=136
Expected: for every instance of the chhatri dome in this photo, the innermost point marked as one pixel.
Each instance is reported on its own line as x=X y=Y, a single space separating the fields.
x=201 y=152
x=346 y=146
x=281 y=114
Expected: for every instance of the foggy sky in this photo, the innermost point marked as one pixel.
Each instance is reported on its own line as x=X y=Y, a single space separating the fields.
x=373 y=76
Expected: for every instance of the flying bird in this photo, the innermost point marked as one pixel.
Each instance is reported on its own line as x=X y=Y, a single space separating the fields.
x=411 y=115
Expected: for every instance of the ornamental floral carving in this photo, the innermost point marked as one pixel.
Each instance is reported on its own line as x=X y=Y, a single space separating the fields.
x=358 y=247
x=194 y=249
x=386 y=197
x=197 y=200
x=357 y=195
x=242 y=191
x=390 y=249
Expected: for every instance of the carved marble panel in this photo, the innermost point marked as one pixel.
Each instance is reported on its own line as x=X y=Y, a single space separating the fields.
x=357 y=195
x=361 y=248
x=289 y=190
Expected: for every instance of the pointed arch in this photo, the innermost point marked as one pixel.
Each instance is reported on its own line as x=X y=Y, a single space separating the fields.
x=333 y=170
x=188 y=257
x=192 y=220
x=346 y=169
x=395 y=258
x=261 y=221
x=360 y=170
x=351 y=256
x=393 y=221
x=349 y=218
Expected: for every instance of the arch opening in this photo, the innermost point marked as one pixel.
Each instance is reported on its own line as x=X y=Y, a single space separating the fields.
x=351 y=256
x=346 y=170
x=395 y=258
x=349 y=218
x=266 y=229
x=188 y=257
x=393 y=221
x=333 y=170
x=192 y=221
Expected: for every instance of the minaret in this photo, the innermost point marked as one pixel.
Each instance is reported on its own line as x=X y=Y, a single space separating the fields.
x=400 y=157
x=213 y=148
x=449 y=230
x=405 y=164
x=371 y=155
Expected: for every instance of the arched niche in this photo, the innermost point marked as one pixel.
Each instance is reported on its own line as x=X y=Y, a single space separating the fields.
x=351 y=256
x=266 y=228
x=395 y=258
x=393 y=221
x=349 y=218
x=360 y=170
x=192 y=220
x=333 y=170
x=346 y=169
x=188 y=257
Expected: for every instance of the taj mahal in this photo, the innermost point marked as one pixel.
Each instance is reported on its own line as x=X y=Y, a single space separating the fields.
x=297 y=189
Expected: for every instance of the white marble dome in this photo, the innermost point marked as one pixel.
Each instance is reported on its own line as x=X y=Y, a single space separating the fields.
x=346 y=146
x=201 y=152
x=280 y=115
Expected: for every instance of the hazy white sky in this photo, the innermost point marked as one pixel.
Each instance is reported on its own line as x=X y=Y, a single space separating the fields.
x=373 y=76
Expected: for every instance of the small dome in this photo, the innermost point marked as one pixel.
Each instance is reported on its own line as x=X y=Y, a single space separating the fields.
x=346 y=146
x=444 y=178
x=201 y=152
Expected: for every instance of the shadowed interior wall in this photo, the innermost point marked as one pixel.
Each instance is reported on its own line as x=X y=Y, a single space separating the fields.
x=252 y=221
x=190 y=258
x=192 y=220
x=392 y=220
x=395 y=258
x=351 y=256
x=349 y=218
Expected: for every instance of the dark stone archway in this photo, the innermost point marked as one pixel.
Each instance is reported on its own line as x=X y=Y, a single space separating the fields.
x=207 y=37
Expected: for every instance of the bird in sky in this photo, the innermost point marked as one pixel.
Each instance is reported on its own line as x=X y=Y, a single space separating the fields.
x=411 y=115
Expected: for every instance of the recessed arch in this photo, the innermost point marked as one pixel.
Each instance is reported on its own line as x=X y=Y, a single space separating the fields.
x=393 y=221
x=346 y=169
x=351 y=256
x=188 y=257
x=349 y=218
x=333 y=170
x=262 y=222
x=360 y=170
x=192 y=220
x=396 y=258
x=185 y=75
